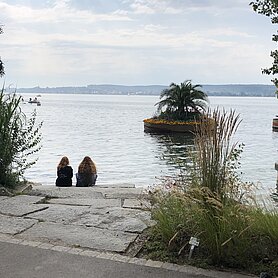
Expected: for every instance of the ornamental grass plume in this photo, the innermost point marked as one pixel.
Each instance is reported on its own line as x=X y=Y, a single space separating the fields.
x=217 y=157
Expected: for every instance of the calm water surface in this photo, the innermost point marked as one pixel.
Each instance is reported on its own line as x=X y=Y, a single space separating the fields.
x=110 y=130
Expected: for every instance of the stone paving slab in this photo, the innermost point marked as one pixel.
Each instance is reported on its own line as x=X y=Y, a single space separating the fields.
x=21 y=205
x=95 y=192
x=24 y=199
x=14 y=225
x=60 y=213
x=136 y=204
x=95 y=203
x=66 y=192
x=74 y=235
x=112 y=193
x=120 y=185
x=119 y=219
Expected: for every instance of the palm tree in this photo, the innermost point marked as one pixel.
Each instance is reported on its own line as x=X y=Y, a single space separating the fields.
x=182 y=101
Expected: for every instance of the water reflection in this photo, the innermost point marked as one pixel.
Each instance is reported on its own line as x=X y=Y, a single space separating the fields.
x=174 y=149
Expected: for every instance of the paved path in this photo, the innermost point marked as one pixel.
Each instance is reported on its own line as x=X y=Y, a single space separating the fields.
x=41 y=263
x=70 y=232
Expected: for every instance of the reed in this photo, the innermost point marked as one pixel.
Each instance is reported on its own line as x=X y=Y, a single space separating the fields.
x=217 y=156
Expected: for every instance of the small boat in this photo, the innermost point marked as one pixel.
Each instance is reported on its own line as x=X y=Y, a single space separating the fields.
x=35 y=100
x=275 y=124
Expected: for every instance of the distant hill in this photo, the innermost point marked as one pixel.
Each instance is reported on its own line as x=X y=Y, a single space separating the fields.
x=107 y=89
x=240 y=90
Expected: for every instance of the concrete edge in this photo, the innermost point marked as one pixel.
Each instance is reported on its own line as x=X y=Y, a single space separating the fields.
x=122 y=258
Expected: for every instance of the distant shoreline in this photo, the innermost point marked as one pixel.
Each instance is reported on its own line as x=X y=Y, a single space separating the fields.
x=256 y=90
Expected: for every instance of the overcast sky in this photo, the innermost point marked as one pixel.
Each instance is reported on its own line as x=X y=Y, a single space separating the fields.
x=133 y=42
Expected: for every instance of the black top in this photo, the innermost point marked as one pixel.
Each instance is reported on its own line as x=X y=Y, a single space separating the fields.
x=64 y=176
x=85 y=179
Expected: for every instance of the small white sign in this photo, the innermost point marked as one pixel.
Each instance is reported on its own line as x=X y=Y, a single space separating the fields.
x=194 y=241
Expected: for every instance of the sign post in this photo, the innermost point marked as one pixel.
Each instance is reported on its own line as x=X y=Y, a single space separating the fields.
x=193 y=242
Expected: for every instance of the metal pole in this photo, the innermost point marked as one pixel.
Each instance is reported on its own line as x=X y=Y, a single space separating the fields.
x=191 y=251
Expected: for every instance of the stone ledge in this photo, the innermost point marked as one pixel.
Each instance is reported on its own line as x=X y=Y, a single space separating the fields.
x=70 y=235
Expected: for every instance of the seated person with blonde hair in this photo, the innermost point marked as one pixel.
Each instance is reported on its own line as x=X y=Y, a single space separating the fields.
x=87 y=173
x=64 y=173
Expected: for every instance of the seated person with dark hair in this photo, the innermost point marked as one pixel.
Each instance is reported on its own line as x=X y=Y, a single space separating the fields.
x=87 y=173
x=64 y=173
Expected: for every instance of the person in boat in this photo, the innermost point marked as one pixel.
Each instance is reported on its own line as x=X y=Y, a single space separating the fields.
x=87 y=173
x=35 y=100
x=64 y=173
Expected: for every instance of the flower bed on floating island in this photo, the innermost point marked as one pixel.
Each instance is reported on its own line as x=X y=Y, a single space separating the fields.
x=161 y=126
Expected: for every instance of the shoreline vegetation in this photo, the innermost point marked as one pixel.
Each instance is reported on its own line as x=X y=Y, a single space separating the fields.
x=20 y=139
x=210 y=203
x=257 y=90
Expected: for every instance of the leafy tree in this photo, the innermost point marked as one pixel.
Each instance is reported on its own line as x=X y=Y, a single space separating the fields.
x=182 y=102
x=19 y=138
x=269 y=8
x=1 y=63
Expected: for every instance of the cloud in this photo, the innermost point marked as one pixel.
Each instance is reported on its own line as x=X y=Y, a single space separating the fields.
x=63 y=41
x=152 y=7
x=182 y=6
x=61 y=11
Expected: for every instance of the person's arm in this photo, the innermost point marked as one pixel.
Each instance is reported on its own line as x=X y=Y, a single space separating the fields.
x=69 y=171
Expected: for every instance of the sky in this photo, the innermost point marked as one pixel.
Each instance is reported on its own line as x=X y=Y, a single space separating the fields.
x=133 y=42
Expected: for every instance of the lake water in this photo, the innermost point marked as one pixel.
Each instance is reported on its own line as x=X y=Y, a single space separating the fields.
x=110 y=130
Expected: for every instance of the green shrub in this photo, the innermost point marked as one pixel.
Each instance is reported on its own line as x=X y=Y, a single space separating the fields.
x=231 y=235
x=19 y=138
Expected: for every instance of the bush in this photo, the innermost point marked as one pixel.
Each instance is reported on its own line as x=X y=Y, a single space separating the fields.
x=19 y=138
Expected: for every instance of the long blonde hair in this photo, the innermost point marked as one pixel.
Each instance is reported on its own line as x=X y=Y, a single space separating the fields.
x=87 y=166
x=63 y=162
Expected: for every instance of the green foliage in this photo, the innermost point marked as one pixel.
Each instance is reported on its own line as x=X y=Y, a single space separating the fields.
x=213 y=205
x=182 y=102
x=265 y=221
x=269 y=8
x=19 y=138
x=231 y=235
